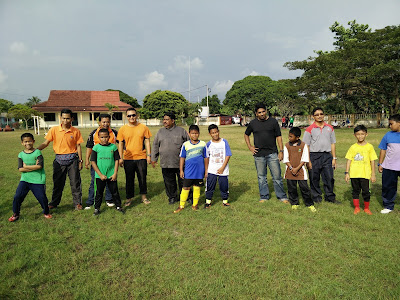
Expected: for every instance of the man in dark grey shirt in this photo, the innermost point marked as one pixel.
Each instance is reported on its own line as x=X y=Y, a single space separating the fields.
x=167 y=145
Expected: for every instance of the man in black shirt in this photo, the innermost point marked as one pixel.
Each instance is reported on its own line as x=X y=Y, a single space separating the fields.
x=266 y=132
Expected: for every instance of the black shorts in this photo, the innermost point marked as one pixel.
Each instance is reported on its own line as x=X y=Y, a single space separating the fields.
x=190 y=182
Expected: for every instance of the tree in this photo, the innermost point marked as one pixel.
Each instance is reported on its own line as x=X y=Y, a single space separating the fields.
x=24 y=112
x=213 y=104
x=5 y=106
x=361 y=74
x=33 y=101
x=245 y=93
x=127 y=99
x=110 y=108
x=160 y=102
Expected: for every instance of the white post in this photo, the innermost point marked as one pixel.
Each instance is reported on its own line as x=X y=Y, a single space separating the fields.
x=189 y=78
x=207 y=95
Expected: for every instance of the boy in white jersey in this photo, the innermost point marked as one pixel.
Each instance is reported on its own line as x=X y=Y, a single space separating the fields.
x=218 y=155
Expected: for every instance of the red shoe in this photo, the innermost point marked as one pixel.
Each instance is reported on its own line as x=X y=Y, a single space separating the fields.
x=357 y=210
x=13 y=218
x=367 y=211
x=48 y=216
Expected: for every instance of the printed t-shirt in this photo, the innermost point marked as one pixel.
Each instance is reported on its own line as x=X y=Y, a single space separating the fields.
x=217 y=152
x=31 y=159
x=194 y=155
x=105 y=157
x=319 y=139
x=361 y=157
x=391 y=143
x=64 y=142
x=134 y=136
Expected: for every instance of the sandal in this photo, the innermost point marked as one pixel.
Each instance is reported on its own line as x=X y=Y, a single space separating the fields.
x=146 y=201
x=128 y=202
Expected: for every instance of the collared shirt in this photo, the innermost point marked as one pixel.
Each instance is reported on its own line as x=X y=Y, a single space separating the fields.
x=93 y=138
x=319 y=139
x=167 y=145
x=391 y=143
x=64 y=142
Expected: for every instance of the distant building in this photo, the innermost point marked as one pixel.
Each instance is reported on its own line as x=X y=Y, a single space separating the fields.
x=85 y=105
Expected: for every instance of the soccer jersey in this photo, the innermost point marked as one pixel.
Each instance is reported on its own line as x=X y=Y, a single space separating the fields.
x=361 y=157
x=134 y=136
x=391 y=143
x=194 y=155
x=105 y=157
x=31 y=159
x=217 y=152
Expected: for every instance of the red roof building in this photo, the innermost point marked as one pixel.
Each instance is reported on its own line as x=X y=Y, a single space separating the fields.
x=86 y=106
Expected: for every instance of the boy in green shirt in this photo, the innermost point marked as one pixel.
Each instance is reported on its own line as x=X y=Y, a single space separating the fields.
x=33 y=178
x=105 y=158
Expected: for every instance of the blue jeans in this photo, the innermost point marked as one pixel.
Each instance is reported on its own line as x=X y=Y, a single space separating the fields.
x=90 y=200
x=272 y=161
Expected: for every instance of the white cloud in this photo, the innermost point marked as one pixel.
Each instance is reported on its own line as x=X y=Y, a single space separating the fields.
x=154 y=81
x=3 y=77
x=182 y=63
x=18 y=48
x=221 y=87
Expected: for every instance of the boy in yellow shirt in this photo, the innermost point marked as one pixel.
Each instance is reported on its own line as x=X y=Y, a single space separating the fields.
x=360 y=168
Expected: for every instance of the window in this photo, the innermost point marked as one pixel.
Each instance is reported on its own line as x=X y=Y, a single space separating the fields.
x=49 y=117
x=117 y=116
x=96 y=116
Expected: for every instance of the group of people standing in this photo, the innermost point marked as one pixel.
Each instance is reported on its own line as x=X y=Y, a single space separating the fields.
x=186 y=161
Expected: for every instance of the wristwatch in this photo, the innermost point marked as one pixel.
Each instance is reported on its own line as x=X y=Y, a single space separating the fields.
x=334 y=157
x=290 y=168
x=280 y=150
x=345 y=173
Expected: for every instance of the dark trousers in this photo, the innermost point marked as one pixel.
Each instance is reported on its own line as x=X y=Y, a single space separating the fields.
x=358 y=185
x=389 y=187
x=92 y=188
x=172 y=180
x=322 y=167
x=59 y=177
x=131 y=168
x=304 y=189
x=38 y=190
x=113 y=188
x=211 y=183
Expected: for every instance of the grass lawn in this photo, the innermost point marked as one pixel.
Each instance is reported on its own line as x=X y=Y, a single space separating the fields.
x=250 y=250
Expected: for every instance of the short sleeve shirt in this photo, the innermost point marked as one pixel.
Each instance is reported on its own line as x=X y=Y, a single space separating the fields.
x=391 y=143
x=64 y=142
x=361 y=157
x=265 y=133
x=31 y=159
x=133 y=137
x=194 y=155
x=319 y=139
x=217 y=152
x=105 y=157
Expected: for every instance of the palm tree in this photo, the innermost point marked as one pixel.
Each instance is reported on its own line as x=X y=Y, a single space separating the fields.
x=110 y=108
x=33 y=101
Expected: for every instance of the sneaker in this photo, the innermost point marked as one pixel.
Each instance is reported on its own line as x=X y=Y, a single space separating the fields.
x=312 y=208
x=367 y=211
x=263 y=200
x=357 y=210
x=286 y=201
x=195 y=207
x=294 y=207
x=48 y=216
x=226 y=204
x=120 y=210
x=96 y=212
x=386 y=211
x=78 y=207
x=13 y=218
x=128 y=202
x=88 y=207
x=178 y=210
x=207 y=205
x=146 y=201
x=110 y=204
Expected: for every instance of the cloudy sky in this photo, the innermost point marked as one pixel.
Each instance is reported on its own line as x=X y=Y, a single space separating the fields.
x=141 y=46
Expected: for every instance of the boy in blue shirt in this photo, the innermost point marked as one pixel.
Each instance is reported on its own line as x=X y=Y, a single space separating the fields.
x=192 y=167
x=33 y=178
x=389 y=163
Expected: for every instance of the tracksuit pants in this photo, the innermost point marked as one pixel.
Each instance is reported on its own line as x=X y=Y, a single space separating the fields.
x=112 y=187
x=38 y=190
x=211 y=184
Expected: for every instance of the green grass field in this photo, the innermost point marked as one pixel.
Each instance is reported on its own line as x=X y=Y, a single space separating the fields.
x=250 y=250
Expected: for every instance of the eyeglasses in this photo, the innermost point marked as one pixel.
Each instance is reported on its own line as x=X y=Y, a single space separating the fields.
x=316 y=115
x=132 y=115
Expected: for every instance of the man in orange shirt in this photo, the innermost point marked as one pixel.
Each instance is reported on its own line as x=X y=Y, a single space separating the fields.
x=66 y=144
x=134 y=150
